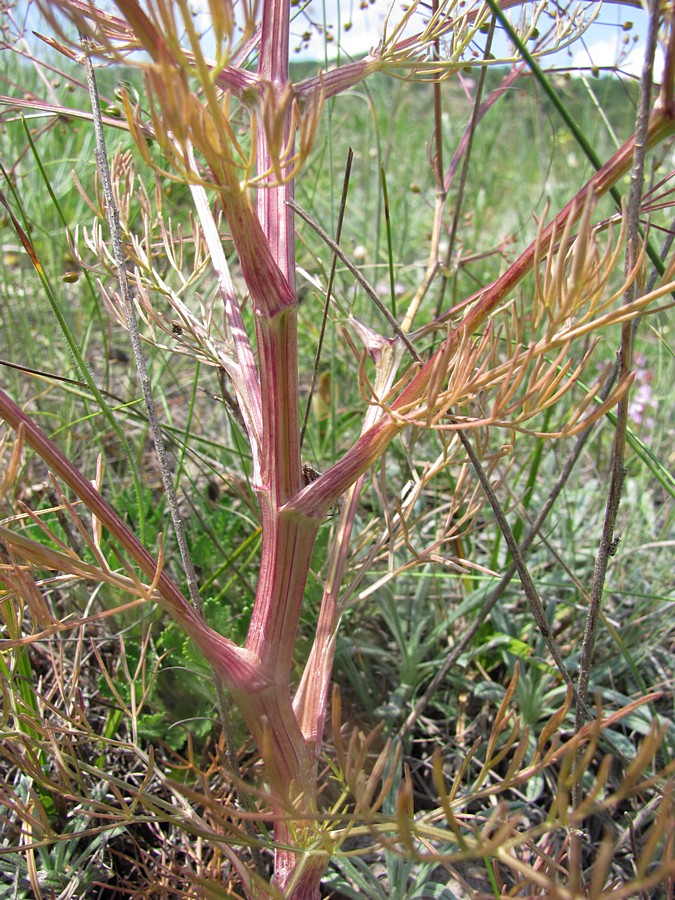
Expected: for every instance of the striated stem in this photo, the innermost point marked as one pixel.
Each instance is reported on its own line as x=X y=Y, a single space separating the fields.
x=236 y=666
x=276 y=217
x=311 y=700
x=288 y=541
x=275 y=304
x=266 y=250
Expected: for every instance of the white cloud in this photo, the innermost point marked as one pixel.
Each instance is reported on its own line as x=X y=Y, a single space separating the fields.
x=605 y=53
x=363 y=31
x=604 y=40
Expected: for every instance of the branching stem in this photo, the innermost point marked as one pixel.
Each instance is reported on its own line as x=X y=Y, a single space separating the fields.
x=153 y=421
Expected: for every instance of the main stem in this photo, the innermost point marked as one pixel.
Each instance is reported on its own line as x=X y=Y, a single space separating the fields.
x=264 y=239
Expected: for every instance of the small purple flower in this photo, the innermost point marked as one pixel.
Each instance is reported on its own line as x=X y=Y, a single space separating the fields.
x=642 y=400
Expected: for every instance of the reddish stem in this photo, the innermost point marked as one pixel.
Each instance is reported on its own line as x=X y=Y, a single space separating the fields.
x=236 y=666
x=320 y=495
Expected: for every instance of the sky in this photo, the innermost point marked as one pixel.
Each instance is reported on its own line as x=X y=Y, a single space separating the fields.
x=356 y=31
x=606 y=42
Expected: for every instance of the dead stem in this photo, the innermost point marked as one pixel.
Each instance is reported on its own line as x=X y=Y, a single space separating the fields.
x=155 y=427
x=498 y=591
x=531 y=593
x=134 y=335
x=608 y=542
x=372 y=293
x=471 y=131
x=329 y=290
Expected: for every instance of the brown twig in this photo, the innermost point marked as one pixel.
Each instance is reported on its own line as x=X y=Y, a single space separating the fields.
x=498 y=591
x=367 y=287
x=608 y=544
x=531 y=592
x=471 y=131
x=608 y=541
x=329 y=291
